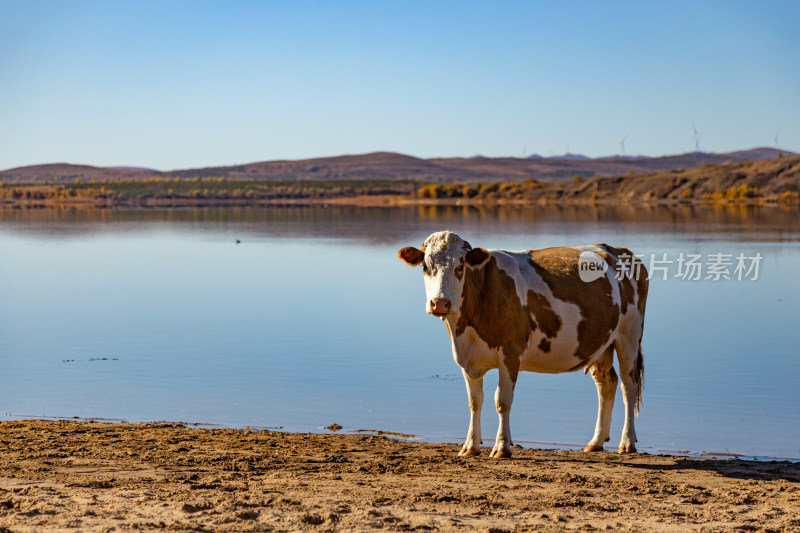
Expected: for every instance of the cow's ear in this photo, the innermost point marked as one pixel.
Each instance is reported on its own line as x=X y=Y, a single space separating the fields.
x=476 y=256
x=411 y=255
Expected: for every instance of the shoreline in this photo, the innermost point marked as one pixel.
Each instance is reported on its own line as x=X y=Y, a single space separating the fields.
x=103 y=476
x=336 y=429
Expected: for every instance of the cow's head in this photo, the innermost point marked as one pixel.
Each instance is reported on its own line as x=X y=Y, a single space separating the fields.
x=444 y=257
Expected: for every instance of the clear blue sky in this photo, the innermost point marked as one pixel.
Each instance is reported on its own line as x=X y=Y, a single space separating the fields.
x=174 y=84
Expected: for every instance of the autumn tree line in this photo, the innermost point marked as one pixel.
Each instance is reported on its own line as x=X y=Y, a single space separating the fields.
x=199 y=188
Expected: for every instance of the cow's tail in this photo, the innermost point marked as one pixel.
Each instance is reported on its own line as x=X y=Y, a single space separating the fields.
x=638 y=377
x=642 y=288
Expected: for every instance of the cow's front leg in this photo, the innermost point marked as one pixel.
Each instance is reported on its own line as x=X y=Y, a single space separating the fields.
x=472 y=446
x=503 y=398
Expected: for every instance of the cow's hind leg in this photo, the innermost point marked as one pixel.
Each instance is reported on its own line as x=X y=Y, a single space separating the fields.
x=605 y=378
x=503 y=398
x=472 y=446
x=631 y=369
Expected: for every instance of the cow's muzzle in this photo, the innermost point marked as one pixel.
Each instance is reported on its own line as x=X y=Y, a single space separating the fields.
x=440 y=306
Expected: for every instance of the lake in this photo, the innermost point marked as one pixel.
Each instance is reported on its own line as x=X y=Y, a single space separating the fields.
x=160 y=315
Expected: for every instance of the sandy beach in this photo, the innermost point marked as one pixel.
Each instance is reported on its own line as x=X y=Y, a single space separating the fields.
x=90 y=476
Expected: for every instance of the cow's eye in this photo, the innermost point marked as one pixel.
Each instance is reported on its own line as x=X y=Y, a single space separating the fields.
x=424 y=268
x=460 y=270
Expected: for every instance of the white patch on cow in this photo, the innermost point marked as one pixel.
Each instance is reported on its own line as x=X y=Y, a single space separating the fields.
x=559 y=359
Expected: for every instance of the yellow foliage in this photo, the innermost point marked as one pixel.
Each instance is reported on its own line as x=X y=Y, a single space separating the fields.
x=790 y=197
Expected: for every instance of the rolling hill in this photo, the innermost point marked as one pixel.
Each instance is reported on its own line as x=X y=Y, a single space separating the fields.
x=393 y=166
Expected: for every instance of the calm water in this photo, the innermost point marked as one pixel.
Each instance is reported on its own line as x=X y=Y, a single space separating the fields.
x=149 y=315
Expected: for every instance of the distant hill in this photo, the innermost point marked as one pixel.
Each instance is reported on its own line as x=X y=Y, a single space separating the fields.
x=739 y=180
x=65 y=172
x=750 y=181
x=393 y=166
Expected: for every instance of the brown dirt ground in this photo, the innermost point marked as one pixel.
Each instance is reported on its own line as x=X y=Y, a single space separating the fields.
x=89 y=476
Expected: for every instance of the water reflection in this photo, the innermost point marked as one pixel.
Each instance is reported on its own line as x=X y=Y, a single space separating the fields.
x=382 y=225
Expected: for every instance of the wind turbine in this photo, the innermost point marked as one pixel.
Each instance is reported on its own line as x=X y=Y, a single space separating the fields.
x=622 y=146
x=696 y=138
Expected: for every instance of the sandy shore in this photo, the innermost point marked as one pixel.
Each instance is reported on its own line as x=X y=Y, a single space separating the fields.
x=87 y=476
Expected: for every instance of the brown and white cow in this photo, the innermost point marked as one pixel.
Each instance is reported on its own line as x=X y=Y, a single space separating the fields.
x=533 y=311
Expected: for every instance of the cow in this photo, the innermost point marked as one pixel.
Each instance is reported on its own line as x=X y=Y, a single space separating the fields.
x=551 y=310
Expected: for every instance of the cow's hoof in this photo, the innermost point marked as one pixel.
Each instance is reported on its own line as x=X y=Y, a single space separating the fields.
x=593 y=448
x=500 y=453
x=627 y=448
x=469 y=452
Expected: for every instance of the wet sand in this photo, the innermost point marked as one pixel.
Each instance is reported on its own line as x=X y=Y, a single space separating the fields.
x=89 y=476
